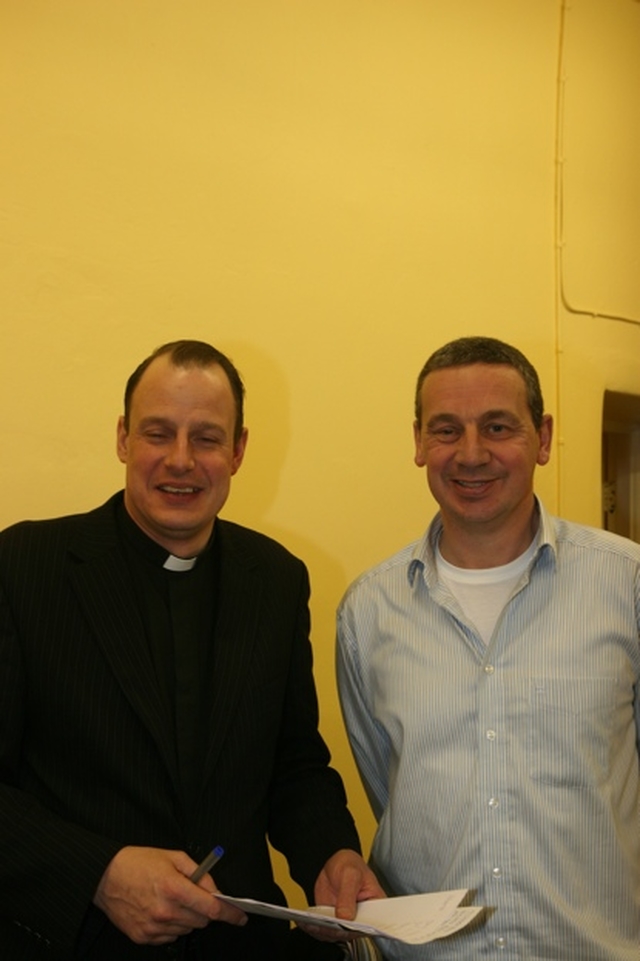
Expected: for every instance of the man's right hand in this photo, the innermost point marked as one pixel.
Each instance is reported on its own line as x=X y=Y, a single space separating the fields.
x=147 y=894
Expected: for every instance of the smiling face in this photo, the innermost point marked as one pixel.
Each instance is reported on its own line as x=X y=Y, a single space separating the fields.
x=480 y=447
x=179 y=453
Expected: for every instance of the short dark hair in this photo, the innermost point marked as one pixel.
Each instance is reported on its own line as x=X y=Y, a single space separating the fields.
x=191 y=353
x=484 y=350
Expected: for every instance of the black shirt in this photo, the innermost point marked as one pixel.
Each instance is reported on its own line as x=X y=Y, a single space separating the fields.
x=178 y=609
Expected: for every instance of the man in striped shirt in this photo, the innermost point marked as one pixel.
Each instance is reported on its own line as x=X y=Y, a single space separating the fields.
x=489 y=678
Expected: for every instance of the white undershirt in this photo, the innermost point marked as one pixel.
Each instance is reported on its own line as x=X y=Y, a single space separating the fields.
x=483 y=592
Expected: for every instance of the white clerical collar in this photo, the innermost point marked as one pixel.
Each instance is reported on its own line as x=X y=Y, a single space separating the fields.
x=174 y=563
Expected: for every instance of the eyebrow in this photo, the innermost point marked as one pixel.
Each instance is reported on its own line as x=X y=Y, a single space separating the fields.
x=487 y=415
x=152 y=421
x=501 y=414
x=441 y=419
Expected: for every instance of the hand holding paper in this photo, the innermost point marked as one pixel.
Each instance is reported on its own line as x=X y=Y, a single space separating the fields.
x=414 y=919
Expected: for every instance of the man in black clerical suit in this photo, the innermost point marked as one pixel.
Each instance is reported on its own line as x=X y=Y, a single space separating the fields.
x=156 y=700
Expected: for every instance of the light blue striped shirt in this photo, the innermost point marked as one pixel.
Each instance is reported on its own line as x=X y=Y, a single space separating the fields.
x=512 y=768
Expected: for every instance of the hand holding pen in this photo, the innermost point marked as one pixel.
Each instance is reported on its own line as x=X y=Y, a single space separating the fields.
x=212 y=858
x=148 y=894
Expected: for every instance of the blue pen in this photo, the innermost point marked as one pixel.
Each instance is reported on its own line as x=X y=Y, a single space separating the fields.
x=212 y=858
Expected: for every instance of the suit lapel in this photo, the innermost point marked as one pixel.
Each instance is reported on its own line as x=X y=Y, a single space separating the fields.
x=106 y=595
x=104 y=591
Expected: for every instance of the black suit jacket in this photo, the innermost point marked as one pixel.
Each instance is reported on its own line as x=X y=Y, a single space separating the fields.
x=86 y=758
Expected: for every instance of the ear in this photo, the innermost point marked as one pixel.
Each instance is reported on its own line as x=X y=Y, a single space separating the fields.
x=418 y=458
x=545 y=436
x=238 y=451
x=122 y=438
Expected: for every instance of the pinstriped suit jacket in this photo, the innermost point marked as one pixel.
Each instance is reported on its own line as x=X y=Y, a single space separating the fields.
x=86 y=746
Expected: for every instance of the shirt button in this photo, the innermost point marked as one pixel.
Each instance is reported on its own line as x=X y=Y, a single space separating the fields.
x=491 y=735
x=501 y=943
x=489 y=669
x=493 y=802
x=497 y=872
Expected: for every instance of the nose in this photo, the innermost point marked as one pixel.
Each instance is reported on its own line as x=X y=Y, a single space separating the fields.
x=179 y=455
x=471 y=449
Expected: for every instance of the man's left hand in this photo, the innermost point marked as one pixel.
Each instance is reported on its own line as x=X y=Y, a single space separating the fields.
x=344 y=880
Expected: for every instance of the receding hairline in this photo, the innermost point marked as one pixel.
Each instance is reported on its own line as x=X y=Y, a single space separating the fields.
x=191 y=354
x=489 y=351
x=473 y=363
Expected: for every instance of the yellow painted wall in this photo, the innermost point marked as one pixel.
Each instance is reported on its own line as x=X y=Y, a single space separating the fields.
x=598 y=207
x=327 y=190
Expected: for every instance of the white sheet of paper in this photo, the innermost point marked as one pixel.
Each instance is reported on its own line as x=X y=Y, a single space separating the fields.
x=414 y=919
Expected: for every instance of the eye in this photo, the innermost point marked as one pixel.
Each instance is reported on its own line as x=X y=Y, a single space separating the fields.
x=445 y=433
x=206 y=440
x=498 y=430
x=155 y=436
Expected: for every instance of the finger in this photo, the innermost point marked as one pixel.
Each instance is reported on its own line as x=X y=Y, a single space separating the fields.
x=347 y=894
x=222 y=911
x=325 y=932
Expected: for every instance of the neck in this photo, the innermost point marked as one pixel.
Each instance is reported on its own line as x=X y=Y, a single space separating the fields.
x=479 y=548
x=183 y=547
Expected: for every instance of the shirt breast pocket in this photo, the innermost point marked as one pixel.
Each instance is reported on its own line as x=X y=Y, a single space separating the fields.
x=570 y=730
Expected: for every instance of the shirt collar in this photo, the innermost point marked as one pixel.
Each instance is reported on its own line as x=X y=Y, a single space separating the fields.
x=149 y=549
x=423 y=558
